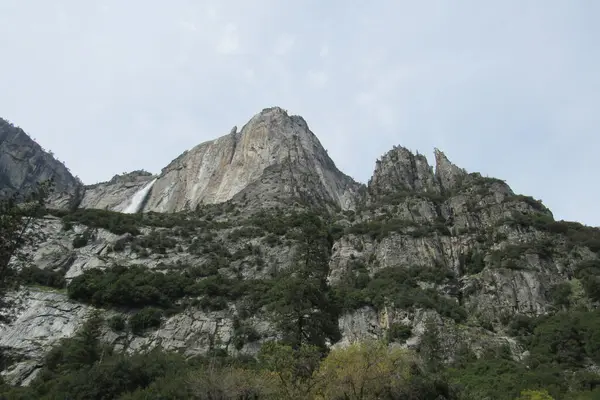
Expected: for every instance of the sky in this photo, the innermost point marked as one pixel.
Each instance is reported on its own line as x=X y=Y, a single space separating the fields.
x=506 y=88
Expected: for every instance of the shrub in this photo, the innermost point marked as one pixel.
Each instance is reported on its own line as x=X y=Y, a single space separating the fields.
x=399 y=332
x=80 y=241
x=117 y=323
x=146 y=318
x=561 y=293
x=135 y=286
x=43 y=277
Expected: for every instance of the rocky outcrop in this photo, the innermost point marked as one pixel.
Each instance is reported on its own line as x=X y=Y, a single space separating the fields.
x=117 y=193
x=400 y=170
x=274 y=154
x=23 y=164
x=40 y=320
x=448 y=175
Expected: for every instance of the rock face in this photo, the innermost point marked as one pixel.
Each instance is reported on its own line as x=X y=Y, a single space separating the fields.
x=400 y=170
x=23 y=163
x=465 y=251
x=117 y=193
x=273 y=154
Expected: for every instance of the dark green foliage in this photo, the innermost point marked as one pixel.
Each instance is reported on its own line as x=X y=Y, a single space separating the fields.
x=530 y=201
x=561 y=346
x=80 y=240
x=472 y=262
x=157 y=241
x=399 y=332
x=589 y=274
x=114 y=222
x=430 y=346
x=81 y=368
x=135 y=286
x=576 y=233
x=496 y=376
x=300 y=299
x=560 y=294
x=117 y=323
x=146 y=318
x=567 y=338
x=243 y=333
x=120 y=223
x=245 y=232
x=43 y=277
x=377 y=229
x=399 y=287
x=18 y=215
x=511 y=255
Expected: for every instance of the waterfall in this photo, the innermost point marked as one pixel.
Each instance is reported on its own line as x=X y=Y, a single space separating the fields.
x=138 y=199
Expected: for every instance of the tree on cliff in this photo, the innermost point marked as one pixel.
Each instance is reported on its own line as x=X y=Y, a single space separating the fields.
x=18 y=214
x=303 y=309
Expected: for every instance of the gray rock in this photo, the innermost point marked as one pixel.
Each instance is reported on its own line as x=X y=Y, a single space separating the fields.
x=271 y=145
x=23 y=164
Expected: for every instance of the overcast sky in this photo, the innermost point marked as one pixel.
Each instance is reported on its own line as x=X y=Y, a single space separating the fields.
x=507 y=88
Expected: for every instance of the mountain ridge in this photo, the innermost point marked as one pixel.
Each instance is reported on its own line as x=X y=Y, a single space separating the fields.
x=419 y=252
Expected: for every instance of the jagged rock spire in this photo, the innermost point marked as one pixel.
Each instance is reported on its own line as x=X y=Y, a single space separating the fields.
x=447 y=174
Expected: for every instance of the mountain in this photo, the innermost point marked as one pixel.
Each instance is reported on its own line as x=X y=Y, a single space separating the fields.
x=23 y=163
x=274 y=154
x=257 y=236
x=116 y=194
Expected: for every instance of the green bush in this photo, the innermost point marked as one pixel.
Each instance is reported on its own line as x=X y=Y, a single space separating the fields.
x=117 y=323
x=399 y=287
x=576 y=233
x=561 y=293
x=399 y=332
x=146 y=318
x=80 y=241
x=135 y=286
x=43 y=277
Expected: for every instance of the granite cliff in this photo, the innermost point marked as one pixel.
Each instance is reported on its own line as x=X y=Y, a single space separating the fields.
x=23 y=163
x=237 y=219
x=273 y=155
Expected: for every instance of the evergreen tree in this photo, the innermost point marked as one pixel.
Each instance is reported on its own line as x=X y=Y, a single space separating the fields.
x=18 y=214
x=303 y=308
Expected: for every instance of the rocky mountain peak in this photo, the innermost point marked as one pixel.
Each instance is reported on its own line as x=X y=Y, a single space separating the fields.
x=274 y=153
x=401 y=170
x=448 y=174
x=23 y=163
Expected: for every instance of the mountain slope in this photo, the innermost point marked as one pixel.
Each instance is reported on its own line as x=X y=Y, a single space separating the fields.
x=448 y=263
x=23 y=163
x=274 y=153
x=117 y=193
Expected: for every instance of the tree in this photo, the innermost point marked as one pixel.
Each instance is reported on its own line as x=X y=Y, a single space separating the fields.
x=224 y=383
x=535 y=395
x=369 y=370
x=430 y=347
x=18 y=214
x=303 y=309
x=295 y=369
